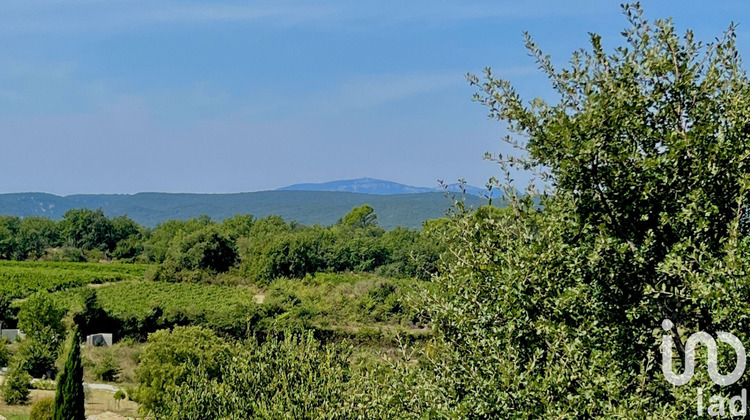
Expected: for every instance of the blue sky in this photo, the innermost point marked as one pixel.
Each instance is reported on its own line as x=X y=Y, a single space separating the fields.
x=105 y=96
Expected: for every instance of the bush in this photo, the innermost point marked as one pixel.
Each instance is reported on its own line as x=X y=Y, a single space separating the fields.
x=37 y=358
x=108 y=368
x=15 y=388
x=43 y=384
x=132 y=393
x=291 y=377
x=42 y=409
x=118 y=397
x=41 y=319
x=206 y=249
x=171 y=356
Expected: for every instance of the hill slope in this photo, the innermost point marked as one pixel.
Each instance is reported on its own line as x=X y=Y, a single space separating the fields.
x=360 y=185
x=377 y=186
x=307 y=207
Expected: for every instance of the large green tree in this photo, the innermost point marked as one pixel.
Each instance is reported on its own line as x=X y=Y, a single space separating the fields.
x=170 y=357
x=9 y=226
x=361 y=217
x=40 y=318
x=552 y=308
x=88 y=229
x=35 y=235
x=206 y=249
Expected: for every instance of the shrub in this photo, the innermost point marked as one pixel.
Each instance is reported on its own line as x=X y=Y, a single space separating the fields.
x=291 y=377
x=37 y=358
x=15 y=388
x=108 y=368
x=118 y=397
x=171 y=356
x=41 y=319
x=132 y=393
x=42 y=409
x=43 y=384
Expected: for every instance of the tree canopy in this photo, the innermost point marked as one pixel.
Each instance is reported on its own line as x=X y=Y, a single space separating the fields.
x=558 y=301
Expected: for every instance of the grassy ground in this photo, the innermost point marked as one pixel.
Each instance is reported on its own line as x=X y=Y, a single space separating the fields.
x=17 y=416
x=97 y=401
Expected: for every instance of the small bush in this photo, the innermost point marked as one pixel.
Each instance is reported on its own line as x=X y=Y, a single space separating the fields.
x=119 y=395
x=37 y=357
x=44 y=385
x=132 y=393
x=42 y=409
x=15 y=388
x=108 y=369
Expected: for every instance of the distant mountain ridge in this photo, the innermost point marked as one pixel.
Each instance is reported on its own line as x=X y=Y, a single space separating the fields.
x=307 y=207
x=378 y=187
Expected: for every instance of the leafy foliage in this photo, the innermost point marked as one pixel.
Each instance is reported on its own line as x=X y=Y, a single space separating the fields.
x=69 y=397
x=41 y=319
x=276 y=249
x=108 y=369
x=5 y=354
x=37 y=357
x=552 y=309
x=290 y=378
x=42 y=409
x=15 y=387
x=206 y=250
x=169 y=358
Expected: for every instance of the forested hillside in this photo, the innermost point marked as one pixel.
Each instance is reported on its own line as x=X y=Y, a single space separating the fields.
x=306 y=207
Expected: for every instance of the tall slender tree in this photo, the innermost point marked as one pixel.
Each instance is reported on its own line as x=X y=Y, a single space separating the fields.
x=69 y=396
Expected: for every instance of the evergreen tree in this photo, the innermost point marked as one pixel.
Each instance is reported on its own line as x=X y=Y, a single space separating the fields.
x=15 y=388
x=69 y=396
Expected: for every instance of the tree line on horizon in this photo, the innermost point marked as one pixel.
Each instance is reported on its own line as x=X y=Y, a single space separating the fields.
x=196 y=249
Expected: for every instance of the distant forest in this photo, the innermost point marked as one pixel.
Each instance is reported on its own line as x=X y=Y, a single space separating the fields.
x=261 y=249
x=306 y=207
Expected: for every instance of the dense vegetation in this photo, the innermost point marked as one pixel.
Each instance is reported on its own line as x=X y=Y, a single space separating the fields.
x=21 y=279
x=306 y=207
x=261 y=249
x=550 y=307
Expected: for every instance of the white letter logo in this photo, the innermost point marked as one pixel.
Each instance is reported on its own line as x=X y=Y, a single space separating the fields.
x=710 y=343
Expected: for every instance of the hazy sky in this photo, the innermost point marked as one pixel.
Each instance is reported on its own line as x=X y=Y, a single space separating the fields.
x=122 y=96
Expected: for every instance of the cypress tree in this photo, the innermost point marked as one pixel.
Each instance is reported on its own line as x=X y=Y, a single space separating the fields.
x=69 y=395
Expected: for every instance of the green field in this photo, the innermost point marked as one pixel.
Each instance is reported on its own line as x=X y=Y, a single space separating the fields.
x=19 y=279
x=130 y=299
x=344 y=304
